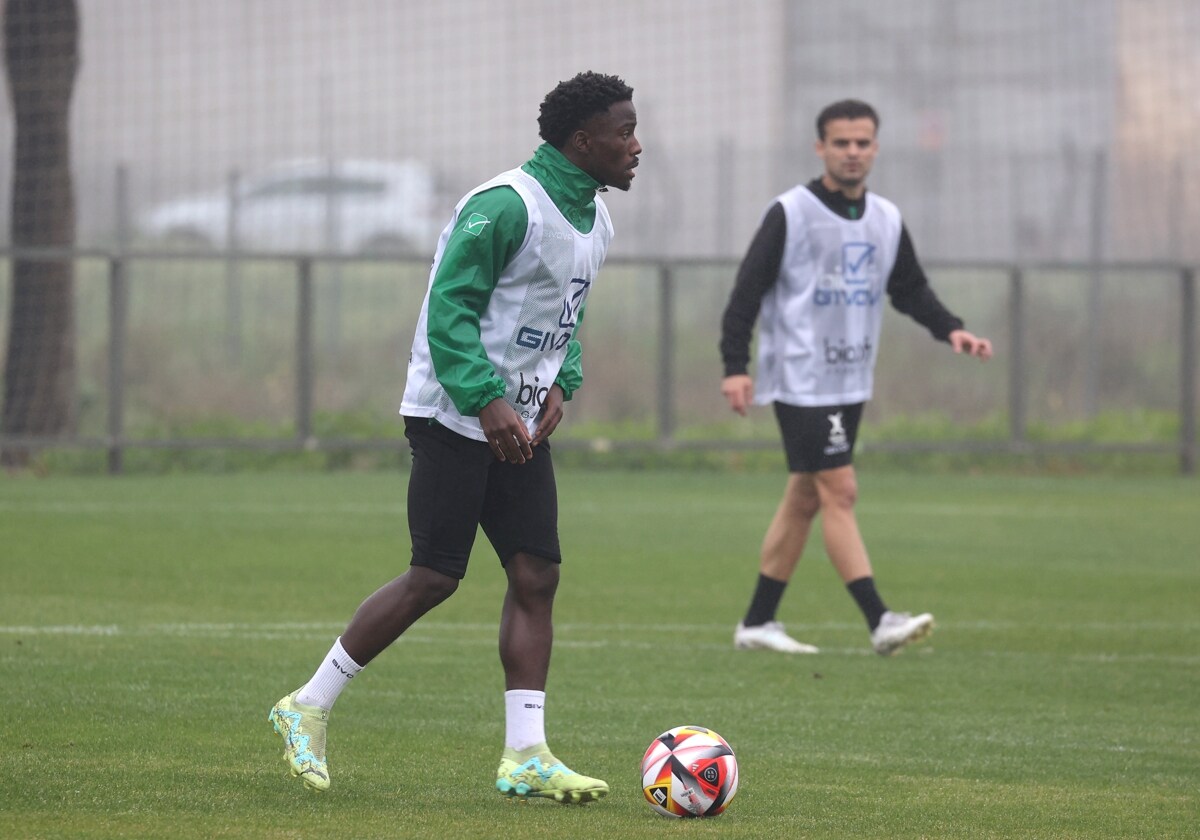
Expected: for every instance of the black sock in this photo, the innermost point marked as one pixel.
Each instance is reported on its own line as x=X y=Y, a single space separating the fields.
x=868 y=600
x=767 y=594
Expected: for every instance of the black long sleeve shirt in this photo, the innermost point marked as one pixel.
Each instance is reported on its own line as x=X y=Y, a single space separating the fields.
x=908 y=288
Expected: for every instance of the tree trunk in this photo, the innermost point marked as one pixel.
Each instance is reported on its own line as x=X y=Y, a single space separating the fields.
x=41 y=55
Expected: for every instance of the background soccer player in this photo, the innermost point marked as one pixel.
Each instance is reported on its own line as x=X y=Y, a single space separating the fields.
x=814 y=276
x=493 y=359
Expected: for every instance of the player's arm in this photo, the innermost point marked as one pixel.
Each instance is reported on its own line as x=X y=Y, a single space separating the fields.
x=910 y=293
x=757 y=273
x=570 y=377
x=488 y=233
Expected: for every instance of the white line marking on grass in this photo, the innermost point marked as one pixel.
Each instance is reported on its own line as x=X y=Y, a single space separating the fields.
x=234 y=628
x=1097 y=626
x=397 y=508
x=619 y=636
x=223 y=508
x=63 y=630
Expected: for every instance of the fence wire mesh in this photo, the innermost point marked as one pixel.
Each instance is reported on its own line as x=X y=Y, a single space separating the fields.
x=1033 y=132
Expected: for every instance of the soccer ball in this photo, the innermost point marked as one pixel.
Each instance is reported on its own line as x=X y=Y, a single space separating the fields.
x=689 y=771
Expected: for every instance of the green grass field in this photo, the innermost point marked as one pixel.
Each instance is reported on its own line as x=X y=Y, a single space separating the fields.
x=147 y=624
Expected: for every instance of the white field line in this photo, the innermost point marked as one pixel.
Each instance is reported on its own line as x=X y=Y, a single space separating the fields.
x=397 y=508
x=88 y=508
x=198 y=629
x=623 y=636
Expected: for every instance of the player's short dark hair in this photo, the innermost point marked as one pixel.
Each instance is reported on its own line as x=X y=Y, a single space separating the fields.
x=573 y=102
x=846 y=109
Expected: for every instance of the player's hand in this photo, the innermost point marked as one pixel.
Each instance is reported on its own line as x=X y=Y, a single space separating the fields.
x=550 y=415
x=506 y=432
x=739 y=392
x=965 y=342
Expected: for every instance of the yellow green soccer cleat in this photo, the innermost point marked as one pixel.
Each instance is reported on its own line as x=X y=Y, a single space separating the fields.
x=303 y=731
x=536 y=773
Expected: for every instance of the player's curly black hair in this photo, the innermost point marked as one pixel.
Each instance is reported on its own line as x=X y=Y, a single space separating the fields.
x=572 y=102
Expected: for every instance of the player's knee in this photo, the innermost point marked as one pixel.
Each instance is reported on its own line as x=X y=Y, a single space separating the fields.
x=843 y=498
x=430 y=586
x=804 y=503
x=839 y=495
x=532 y=578
x=806 y=507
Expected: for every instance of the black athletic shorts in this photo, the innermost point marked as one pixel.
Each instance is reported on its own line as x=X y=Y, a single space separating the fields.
x=818 y=438
x=457 y=485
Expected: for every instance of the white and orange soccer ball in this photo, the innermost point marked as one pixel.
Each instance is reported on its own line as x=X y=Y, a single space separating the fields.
x=689 y=771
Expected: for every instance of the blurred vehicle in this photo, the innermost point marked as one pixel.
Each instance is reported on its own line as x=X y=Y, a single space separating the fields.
x=309 y=206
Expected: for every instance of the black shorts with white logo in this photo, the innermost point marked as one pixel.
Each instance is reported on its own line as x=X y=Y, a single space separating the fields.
x=457 y=485
x=818 y=438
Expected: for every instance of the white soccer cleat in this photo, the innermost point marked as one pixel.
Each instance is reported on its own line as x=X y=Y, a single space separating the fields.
x=769 y=636
x=896 y=630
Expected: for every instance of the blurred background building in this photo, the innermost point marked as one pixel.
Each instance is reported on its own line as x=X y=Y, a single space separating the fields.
x=1023 y=130
x=1042 y=152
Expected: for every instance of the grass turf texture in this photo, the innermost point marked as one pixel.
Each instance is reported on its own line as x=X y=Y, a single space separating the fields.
x=147 y=624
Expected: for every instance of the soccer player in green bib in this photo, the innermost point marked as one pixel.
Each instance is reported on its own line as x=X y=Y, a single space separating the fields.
x=494 y=358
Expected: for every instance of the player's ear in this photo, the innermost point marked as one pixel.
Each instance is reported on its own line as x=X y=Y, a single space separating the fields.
x=580 y=141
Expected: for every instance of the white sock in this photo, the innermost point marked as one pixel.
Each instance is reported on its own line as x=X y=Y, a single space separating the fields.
x=524 y=719
x=327 y=683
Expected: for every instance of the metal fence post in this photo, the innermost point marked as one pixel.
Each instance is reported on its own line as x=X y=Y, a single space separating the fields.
x=1016 y=364
x=233 y=267
x=1092 y=343
x=1187 y=372
x=666 y=355
x=117 y=312
x=304 y=350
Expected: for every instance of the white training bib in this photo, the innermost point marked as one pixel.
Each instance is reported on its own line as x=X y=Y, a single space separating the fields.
x=532 y=314
x=819 y=324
